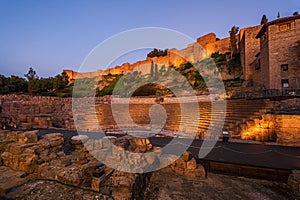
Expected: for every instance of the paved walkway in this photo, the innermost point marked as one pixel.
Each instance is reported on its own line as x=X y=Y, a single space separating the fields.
x=259 y=155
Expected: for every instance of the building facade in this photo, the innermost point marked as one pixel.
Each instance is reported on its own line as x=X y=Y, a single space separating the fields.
x=276 y=64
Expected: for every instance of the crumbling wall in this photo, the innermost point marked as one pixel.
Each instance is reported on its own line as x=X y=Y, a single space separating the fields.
x=29 y=112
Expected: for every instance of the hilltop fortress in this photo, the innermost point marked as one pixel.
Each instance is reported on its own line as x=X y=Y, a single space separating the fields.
x=209 y=42
x=268 y=55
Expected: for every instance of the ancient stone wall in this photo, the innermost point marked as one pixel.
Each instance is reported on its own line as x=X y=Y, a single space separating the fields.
x=30 y=112
x=206 y=39
x=288 y=130
x=71 y=74
x=79 y=75
x=221 y=46
x=174 y=57
x=51 y=112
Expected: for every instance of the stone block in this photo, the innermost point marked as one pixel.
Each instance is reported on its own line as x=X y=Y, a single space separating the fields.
x=18 y=149
x=12 y=136
x=200 y=171
x=28 y=163
x=191 y=164
x=186 y=156
x=79 y=139
x=54 y=139
x=43 y=144
x=180 y=163
x=96 y=184
x=71 y=174
x=179 y=171
x=7 y=158
x=28 y=137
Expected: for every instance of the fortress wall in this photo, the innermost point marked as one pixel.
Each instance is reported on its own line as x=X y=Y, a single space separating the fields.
x=221 y=46
x=174 y=57
x=71 y=74
x=206 y=39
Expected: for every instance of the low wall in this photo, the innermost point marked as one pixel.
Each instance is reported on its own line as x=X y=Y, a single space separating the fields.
x=288 y=129
x=30 y=112
x=270 y=174
x=282 y=128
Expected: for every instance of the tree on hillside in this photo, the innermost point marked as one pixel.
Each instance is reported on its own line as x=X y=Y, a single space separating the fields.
x=152 y=69
x=60 y=81
x=156 y=72
x=233 y=41
x=65 y=78
x=31 y=74
x=13 y=84
x=17 y=85
x=34 y=86
x=3 y=85
x=264 y=20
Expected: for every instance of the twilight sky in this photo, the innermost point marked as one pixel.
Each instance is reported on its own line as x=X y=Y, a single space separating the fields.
x=58 y=34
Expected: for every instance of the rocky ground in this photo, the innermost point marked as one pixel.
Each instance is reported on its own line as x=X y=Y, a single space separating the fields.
x=164 y=184
x=216 y=186
x=49 y=190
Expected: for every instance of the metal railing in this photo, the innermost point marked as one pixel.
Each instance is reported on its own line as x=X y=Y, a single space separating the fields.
x=285 y=92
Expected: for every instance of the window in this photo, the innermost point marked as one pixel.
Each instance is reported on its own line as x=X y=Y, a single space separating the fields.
x=264 y=36
x=284 y=67
x=285 y=83
x=284 y=27
x=257 y=65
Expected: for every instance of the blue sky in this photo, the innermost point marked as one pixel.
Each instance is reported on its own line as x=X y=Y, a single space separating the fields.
x=53 y=35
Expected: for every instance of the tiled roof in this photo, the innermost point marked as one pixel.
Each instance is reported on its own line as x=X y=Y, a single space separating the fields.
x=277 y=21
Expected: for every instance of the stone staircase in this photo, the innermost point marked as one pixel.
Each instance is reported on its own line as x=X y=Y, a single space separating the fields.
x=239 y=115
